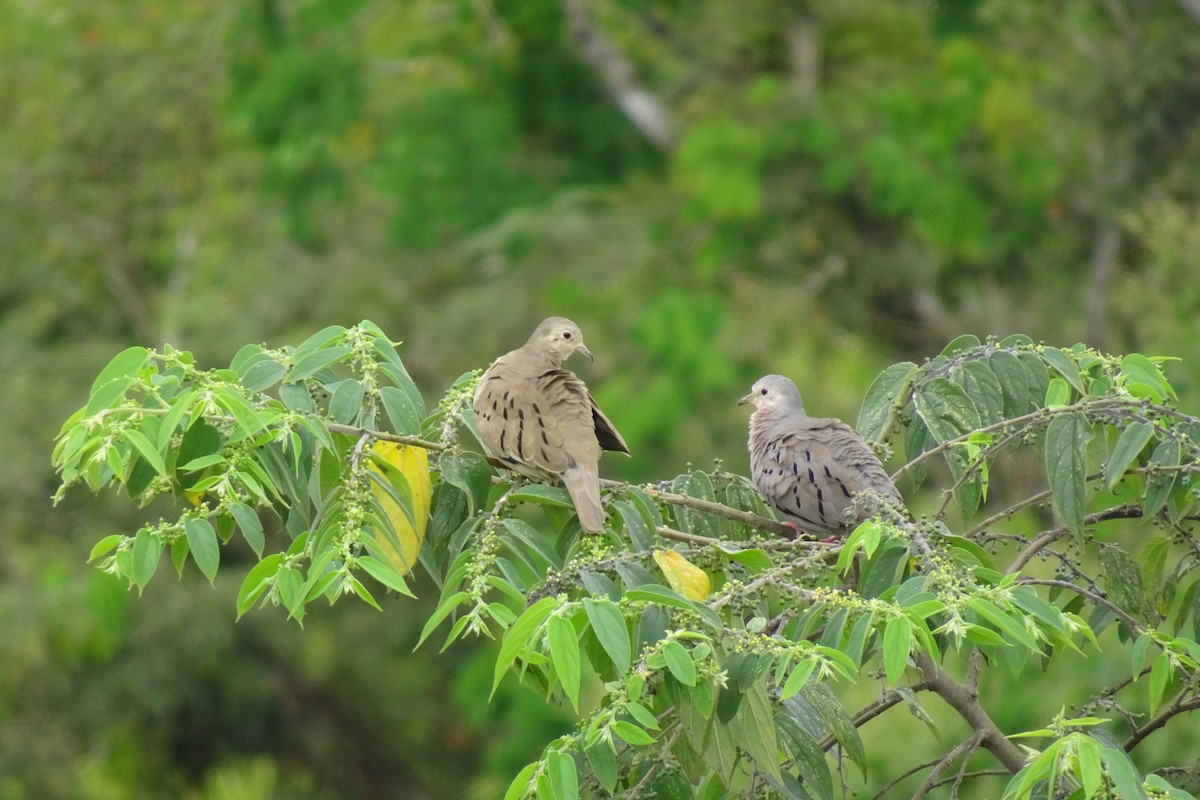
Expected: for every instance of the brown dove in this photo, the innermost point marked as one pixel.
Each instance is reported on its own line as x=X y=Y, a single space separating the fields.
x=808 y=468
x=537 y=418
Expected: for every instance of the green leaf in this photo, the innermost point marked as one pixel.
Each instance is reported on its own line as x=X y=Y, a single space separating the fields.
x=290 y=584
x=115 y=378
x=554 y=496
x=983 y=387
x=818 y=710
x=1058 y=393
x=1122 y=579
x=147 y=450
x=754 y=559
x=643 y=715
x=385 y=573
x=404 y=414
x=519 y=787
x=1129 y=445
x=897 y=638
x=640 y=536
x=1067 y=439
x=610 y=628
x=756 y=721
x=262 y=374
x=445 y=607
x=564 y=652
x=1160 y=676
x=632 y=733
x=655 y=593
x=519 y=634
x=963 y=343
x=603 y=761
x=1064 y=365
x=202 y=541
x=346 y=401
x=1015 y=629
x=679 y=662
x=564 y=780
x=1091 y=774
x=146 y=552
x=1158 y=487
x=1011 y=374
x=948 y=413
x=884 y=393
x=1137 y=369
x=104 y=546
x=257 y=581
x=1036 y=375
x=250 y=525
x=1124 y=777
x=309 y=364
x=124 y=364
x=799 y=676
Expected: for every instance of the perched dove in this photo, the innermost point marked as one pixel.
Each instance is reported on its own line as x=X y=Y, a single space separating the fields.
x=536 y=418
x=807 y=467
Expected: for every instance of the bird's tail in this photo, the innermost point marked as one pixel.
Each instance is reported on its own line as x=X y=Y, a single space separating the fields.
x=584 y=487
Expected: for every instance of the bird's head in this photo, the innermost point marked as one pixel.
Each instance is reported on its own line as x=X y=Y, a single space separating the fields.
x=559 y=337
x=774 y=391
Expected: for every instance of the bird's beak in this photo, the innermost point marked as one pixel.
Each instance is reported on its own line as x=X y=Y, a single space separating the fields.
x=745 y=399
x=583 y=351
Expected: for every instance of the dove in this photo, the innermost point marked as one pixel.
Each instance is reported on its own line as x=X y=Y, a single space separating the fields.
x=536 y=418
x=808 y=468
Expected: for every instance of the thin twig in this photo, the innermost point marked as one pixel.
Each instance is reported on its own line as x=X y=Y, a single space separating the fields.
x=1032 y=500
x=867 y=713
x=1041 y=413
x=985 y=454
x=719 y=509
x=979 y=773
x=1126 y=511
x=962 y=749
x=415 y=441
x=1096 y=599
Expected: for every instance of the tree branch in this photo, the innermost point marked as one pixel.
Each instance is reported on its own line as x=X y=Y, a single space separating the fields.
x=1180 y=706
x=643 y=108
x=966 y=702
x=1126 y=511
x=737 y=515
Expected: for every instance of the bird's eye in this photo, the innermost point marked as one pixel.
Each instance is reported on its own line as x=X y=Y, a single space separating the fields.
x=764 y=391
x=566 y=334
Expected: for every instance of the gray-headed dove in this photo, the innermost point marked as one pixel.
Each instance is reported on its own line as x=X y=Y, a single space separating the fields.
x=808 y=468
x=538 y=419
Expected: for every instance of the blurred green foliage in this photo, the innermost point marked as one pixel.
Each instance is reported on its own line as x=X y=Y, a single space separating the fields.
x=854 y=182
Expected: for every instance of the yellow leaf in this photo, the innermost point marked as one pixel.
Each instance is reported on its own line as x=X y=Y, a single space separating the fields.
x=685 y=577
x=413 y=464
